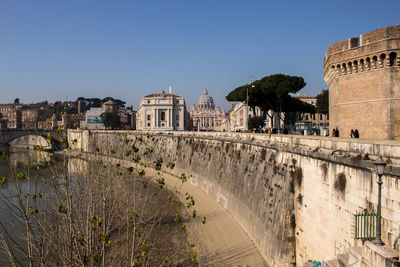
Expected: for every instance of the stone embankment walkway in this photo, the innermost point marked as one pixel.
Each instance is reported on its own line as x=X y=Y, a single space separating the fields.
x=221 y=241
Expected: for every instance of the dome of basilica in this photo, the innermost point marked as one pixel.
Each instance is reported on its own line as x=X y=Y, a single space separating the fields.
x=205 y=101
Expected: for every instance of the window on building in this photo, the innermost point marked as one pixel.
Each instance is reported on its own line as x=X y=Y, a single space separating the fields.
x=320 y=116
x=148 y=101
x=306 y=117
x=163 y=116
x=313 y=116
x=148 y=124
x=148 y=117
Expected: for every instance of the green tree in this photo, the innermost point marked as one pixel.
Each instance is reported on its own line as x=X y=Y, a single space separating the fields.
x=323 y=102
x=256 y=122
x=111 y=120
x=273 y=93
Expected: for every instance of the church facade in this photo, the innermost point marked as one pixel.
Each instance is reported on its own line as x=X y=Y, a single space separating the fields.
x=161 y=112
x=206 y=116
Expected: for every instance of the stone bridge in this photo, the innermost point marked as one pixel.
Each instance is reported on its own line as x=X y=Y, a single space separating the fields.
x=27 y=138
x=295 y=196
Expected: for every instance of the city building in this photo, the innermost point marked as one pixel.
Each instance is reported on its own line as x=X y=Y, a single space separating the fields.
x=307 y=123
x=206 y=116
x=161 y=112
x=31 y=116
x=110 y=106
x=240 y=115
x=93 y=119
x=363 y=75
x=11 y=115
x=24 y=116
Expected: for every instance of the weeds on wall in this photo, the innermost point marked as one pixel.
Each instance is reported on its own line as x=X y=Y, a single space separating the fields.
x=340 y=182
x=297 y=175
x=299 y=198
x=324 y=169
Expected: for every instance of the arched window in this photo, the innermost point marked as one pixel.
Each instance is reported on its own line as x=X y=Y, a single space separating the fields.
x=333 y=69
x=338 y=69
x=368 y=63
x=344 y=68
x=350 y=67
x=163 y=116
x=392 y=58
x=355 y=66
x=382 y=60
x=374 y=60
x=361 y=64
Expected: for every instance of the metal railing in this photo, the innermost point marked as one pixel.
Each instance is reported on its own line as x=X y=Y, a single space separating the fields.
x=365 y=225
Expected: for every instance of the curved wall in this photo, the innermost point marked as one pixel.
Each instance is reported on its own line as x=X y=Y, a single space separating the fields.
x=282 y=191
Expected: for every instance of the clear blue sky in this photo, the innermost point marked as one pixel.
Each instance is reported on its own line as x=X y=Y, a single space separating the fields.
x=128 y=49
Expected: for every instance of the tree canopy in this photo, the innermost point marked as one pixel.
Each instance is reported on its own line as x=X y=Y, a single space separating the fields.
x=111 y=120
x=273 y=93
x=323 y=102
x=256 y=122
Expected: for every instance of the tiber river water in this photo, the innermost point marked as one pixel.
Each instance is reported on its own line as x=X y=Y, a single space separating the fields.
x=25 y=162
x=89 y=183
x=8 y=219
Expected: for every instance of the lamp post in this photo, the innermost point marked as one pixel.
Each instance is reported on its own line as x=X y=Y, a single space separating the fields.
x=247 y=106
x=380 y=169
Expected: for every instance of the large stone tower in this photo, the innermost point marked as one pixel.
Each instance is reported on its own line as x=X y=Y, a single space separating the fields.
x=363 y=75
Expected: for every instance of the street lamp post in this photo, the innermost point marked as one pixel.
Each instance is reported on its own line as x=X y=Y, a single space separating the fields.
x=247 y=105
x=380 y=169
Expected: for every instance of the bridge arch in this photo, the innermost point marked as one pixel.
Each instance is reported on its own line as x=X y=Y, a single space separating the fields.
x=29 y=141
x=27 y=138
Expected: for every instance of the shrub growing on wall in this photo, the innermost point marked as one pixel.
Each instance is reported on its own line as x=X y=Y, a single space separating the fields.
x=340 y=182
x=297 y=175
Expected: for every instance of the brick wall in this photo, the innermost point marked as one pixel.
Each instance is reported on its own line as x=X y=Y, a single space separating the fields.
x=364 y=85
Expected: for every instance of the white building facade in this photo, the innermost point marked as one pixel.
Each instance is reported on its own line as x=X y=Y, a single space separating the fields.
x=206 y=116
x=161 y=112
x=240 y=113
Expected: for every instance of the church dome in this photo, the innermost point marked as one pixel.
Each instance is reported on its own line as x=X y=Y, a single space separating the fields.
x=205 y=101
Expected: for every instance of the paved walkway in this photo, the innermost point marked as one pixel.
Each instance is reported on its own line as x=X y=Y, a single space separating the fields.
x=221 y=241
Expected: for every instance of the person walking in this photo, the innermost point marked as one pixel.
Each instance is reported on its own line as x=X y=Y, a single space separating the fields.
x=356 y=134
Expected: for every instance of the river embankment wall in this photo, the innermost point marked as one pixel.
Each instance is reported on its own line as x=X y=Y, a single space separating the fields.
x=295 y=196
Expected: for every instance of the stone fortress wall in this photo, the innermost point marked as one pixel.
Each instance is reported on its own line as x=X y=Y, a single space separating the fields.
x=282 y=190
x=363 y=75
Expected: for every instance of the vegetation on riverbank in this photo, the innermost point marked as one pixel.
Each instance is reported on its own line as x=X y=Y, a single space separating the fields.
x=94 y=214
